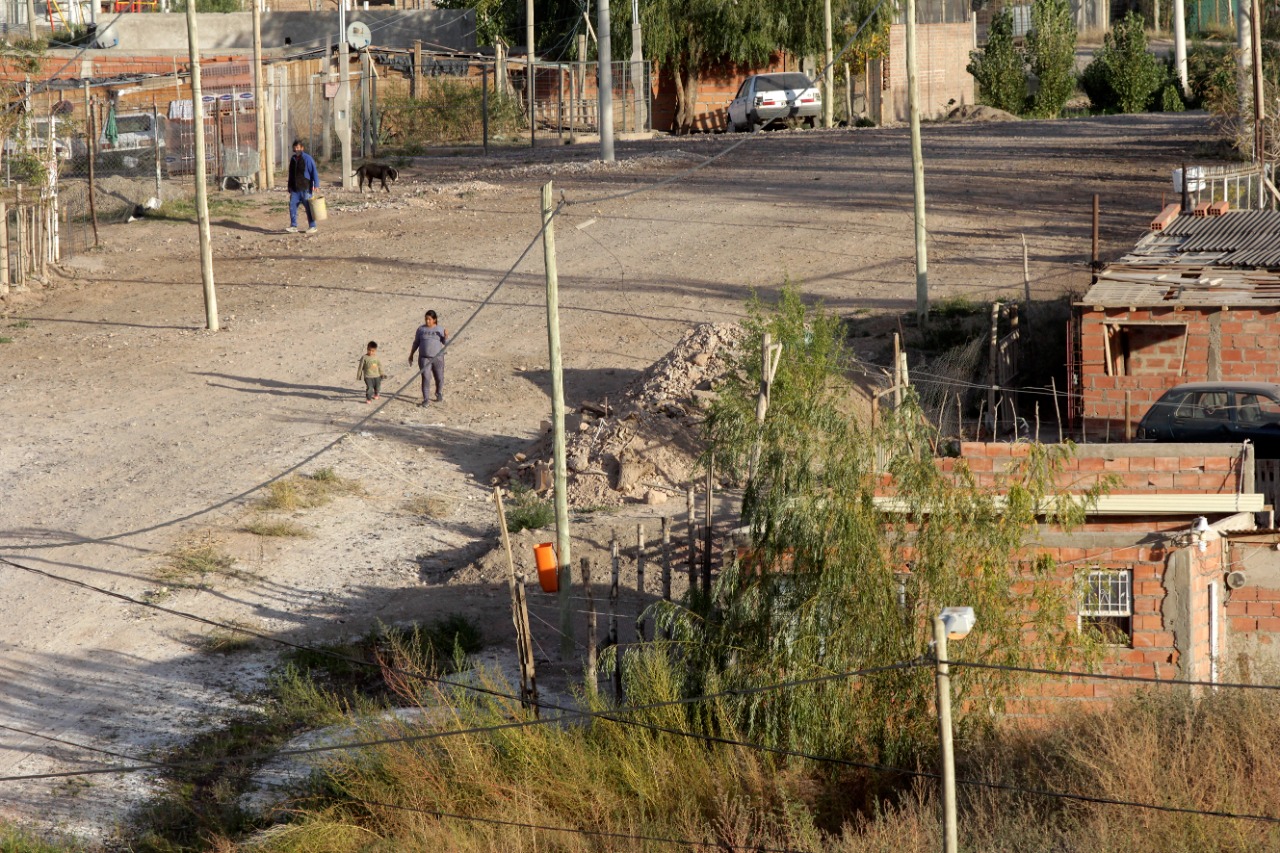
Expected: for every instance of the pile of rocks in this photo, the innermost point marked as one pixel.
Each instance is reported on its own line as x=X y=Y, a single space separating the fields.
x=643 y=446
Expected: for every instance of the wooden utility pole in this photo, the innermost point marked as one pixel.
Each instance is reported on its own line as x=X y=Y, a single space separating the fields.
x=917 y=171
x=560 y=470
x=259 y=112
x=1259 y=102
x=93 y=155
x=202 y=191
x=415 y=73
x=828 y=67
x=604 y=66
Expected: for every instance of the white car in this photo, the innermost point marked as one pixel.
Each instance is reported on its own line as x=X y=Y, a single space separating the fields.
x=766 y=98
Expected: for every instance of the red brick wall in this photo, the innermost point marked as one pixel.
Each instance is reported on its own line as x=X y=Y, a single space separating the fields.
x=942 y=56
x=714 y=94
x=1242 y=335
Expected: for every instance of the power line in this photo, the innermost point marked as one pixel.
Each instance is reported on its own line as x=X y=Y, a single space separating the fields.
x=1102 y=676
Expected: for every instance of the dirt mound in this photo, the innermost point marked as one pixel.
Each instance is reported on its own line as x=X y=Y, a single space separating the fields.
x=978 y=112
x=644 y=446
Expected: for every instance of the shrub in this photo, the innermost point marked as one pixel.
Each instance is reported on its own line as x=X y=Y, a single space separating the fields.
x=527 y=511
x=451 y=111
x=1171 y=100
x=1051 y=52
x=999 y=68
x=1123 y=75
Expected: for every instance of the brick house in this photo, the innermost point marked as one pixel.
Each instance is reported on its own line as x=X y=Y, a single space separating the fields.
x=1197 y=299
x=1164 y=594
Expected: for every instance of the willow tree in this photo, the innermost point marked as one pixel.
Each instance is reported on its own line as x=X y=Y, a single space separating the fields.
x=836 y=580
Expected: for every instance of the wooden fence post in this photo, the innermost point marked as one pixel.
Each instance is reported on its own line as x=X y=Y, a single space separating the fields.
x=613 y=618
x=590 y=675
x=640 y=583
x=693 y=539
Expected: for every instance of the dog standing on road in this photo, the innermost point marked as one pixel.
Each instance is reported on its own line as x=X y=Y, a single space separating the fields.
x=371 y=172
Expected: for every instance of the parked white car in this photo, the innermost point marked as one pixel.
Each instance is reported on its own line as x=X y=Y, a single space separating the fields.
x=766 y=98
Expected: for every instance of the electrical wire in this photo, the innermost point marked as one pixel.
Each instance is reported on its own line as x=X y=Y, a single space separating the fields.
x=1102 y=676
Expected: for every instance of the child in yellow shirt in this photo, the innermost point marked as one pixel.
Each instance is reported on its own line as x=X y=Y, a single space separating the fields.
x=370 y=371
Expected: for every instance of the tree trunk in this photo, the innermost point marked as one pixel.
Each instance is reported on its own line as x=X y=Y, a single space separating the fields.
x=688 y=82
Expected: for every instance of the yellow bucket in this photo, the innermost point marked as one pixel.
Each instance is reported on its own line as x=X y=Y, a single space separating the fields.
x=544 y=556
x=319 y=208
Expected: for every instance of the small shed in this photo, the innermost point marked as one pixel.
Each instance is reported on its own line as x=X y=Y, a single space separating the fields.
x=1197 y=299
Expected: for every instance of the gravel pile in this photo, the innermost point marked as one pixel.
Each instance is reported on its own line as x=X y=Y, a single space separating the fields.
x=642 y=447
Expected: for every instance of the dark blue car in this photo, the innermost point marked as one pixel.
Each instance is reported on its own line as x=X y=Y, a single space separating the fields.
x=1217 y=411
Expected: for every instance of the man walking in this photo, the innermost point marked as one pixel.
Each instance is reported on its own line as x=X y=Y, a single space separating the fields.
x=429 y=343
x=304 y=179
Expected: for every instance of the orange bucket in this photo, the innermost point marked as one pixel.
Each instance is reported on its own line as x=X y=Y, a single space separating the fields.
x=544 y=556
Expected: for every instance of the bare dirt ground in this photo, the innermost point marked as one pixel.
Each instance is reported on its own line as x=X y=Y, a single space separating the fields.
x=128 y=430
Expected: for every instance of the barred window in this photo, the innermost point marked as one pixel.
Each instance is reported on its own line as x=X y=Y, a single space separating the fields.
x=1106 y=605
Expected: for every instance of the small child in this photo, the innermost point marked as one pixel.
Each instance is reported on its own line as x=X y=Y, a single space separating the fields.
x=370 y=371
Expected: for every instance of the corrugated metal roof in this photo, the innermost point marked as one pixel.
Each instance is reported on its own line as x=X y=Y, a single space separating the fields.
x=1233 y=259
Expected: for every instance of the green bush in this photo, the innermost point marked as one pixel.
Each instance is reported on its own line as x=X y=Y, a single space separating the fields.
x=451 y=111
x=1211 y=76
x=999 y=68
x=1171 y=100
x=1123 y=76
x=1051 y=53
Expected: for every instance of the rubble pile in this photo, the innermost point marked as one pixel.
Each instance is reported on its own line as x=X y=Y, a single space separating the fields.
x=643 y=446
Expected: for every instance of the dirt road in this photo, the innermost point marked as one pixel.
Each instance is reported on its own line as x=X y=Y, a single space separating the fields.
x=128 y=430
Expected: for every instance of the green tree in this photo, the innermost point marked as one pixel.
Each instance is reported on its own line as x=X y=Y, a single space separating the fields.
x=1051 y=52
x=999 y=68
x=835 y=582
x=1123 y=75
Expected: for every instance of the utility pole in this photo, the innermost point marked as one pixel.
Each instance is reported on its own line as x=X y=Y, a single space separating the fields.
x=365 y=136
x=639 y=80
x=560 y=471
x=1259 y=103
x=917 y=171
x=828 y=69
x=1180 y=43
x=259 y=103
x=202 y=191
x=604 y=67
x=942 y=675
x=1244 y=54
x=342 y=110
x=529 y=83
x=31 y=19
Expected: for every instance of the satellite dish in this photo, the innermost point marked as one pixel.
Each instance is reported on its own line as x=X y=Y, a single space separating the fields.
x=358 y=35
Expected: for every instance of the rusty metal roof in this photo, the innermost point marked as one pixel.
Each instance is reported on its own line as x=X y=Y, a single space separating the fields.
x=1232 y=259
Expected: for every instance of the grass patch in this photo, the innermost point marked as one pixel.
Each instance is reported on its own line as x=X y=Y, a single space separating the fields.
x=191 y=563
x=527 y=511
x=21 y=324
x=429 y=507
x=4 y=340
x=306 y=491
x=184 y=209
x=15 y=840
x=226 y=641
x=281 y=527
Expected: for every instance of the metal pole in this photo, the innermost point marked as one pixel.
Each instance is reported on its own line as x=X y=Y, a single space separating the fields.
x=529 y=86
x=604 y=67
x=917 y=171
x=560 y=471
x=364 y=104
x=828 y=69
x=1180 y=43
x=155 y=142
x=950 y=838
x=259 y=120
x=93 y=145
x=202 y=191
x=484 y=104
x=1095 y=257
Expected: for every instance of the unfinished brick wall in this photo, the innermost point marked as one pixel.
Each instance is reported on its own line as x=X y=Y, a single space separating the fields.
x=1137 y=469
x=1119 y=355
x=942 y=55
x=715 y=91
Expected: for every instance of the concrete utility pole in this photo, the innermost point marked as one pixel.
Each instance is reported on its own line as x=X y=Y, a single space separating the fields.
x=639 y=82
x=1180 y=42
x=828 y=68
x=528 y=46
x=342 y=109
x=1244 y=54
x=917 y=171
x=560 y=470
x=942 y=678
x=259 y=103
x=202 y=191
x=604 y=67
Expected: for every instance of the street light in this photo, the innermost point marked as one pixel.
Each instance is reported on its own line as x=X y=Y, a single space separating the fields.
x=952 y=623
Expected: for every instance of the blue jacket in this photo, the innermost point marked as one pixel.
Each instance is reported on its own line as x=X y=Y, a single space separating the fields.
x=310 y=177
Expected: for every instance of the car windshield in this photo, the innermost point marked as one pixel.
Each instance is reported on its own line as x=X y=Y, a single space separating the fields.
x=795 y=82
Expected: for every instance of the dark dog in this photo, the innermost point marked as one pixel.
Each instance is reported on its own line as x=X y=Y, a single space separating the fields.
x=371 y=172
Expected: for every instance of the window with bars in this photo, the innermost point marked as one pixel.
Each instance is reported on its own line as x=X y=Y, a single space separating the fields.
x=1106 y=605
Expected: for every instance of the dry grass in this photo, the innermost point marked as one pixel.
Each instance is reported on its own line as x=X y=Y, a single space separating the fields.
x=225 y=641
x=276 y=527
x=429 y=507
x=306 y=491
x=191 y=562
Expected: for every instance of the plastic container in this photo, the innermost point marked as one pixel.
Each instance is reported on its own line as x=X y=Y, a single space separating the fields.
x=544 y=556
x=320 y=208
